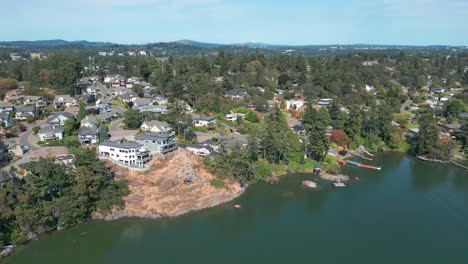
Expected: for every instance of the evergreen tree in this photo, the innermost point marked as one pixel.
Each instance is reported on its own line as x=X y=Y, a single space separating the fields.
x=316 y=132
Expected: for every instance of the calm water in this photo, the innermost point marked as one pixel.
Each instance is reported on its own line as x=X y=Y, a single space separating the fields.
x=410 y=212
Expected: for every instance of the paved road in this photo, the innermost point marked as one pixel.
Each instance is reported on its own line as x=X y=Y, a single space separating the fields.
x=104 y=92
x=408 y=102
x=116 y=125
x=27 y=138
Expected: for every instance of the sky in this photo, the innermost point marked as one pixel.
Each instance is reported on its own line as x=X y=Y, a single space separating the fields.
x=291 y=22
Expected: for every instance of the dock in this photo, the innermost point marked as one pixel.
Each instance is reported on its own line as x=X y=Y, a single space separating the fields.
x=362 y=165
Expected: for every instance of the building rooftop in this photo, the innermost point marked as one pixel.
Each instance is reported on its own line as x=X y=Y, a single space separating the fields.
x=121 y=144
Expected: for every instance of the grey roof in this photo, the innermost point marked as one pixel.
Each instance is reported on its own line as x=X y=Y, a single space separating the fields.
x=51 y=129
x=236 y=92
x=84 y=131
x=4 y=115
x=90 y=120
x=121 y=144
x=200 y=146
x=154 y=136
x=202 y=117
x=27 y=108
x=161 y=125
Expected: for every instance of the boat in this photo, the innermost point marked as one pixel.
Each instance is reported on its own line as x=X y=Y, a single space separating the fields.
x=339 y=184
x=237 y=206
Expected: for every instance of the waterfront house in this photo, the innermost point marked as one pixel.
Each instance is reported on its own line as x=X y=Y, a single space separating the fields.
x=198 y=149
x=25 y=112
x=156 y=126
x=125 y=152
x=64 y=101
x=50 y=132
x=160 y=143
x=202 y=120
x=59 y=118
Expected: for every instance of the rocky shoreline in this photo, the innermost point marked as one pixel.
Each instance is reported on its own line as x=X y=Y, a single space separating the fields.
x=119 y=214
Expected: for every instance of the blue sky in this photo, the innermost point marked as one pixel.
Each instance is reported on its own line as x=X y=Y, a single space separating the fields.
x=297 y=22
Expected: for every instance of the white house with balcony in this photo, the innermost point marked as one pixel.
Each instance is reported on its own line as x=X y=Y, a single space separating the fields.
x=128 y=153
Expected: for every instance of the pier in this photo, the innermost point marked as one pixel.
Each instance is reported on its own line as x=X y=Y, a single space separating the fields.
x=362 y=165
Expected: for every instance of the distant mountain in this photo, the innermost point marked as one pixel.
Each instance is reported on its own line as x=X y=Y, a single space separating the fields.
x=198 y=44
x=54 y=43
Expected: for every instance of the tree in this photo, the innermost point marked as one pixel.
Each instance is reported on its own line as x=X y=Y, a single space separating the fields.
x=353 y=124
x=453 y=107
x=103 y=132
x=426 y=143
x=145 y=71
x=81 y=112
x=275 y=137
x=138 y=89
x=70 y=126
x=316 y=132
x=339 y=137
x=133 y=119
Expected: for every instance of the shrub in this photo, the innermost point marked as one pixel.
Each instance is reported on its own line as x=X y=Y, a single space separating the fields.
x=217 y=183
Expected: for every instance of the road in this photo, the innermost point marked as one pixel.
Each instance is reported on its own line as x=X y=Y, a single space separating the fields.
x=27 y=138
x=105 y=92
x=407 y=103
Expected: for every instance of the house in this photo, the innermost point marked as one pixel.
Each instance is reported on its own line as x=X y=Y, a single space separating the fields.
x=236 y=93
x=463 y=115
x=38 y=101
x=369 y=88
x=125 y=152
x=161 y=100
x=272 y=103
x=120 y=90
x=88 y=135
x=202 y=120
x=234 y=117
x=158 y=109
x=295 y=124
x=160 y=143
x=25 y=112
x=5 y=119
x=198 y=149
x=437 y=90
x=413 y=131
x=294 y=104
x=50 y=132
x=128 y=97
x=59 y=119
x=450 y=128
x=370 y=63
x=64 y=101
x=4 y=107
x=104 y=108
x=89 y=121
x=66 y=159
x=140 y=102
x=115 y=80
x=156 y=126
x=325 y=102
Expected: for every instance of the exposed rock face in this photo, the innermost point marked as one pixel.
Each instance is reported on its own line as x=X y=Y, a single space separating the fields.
x=161 y=191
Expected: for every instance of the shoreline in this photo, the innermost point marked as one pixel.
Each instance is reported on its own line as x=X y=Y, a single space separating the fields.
x=120 y=214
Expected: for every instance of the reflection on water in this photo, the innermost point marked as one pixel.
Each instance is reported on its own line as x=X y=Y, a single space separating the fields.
x=410 y=212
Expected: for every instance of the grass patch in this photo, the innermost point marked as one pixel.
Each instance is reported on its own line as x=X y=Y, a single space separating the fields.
x=217 y=183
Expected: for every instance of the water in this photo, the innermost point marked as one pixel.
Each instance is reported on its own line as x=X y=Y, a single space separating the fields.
x=410 y=212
